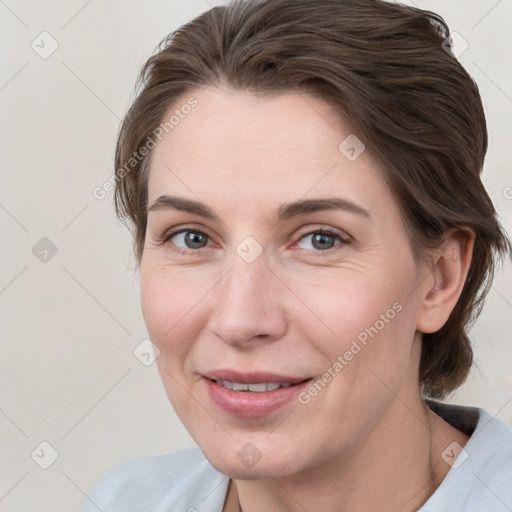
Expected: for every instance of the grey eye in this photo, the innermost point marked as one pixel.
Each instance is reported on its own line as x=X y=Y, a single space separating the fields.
x=190 y=239
x=319 y=241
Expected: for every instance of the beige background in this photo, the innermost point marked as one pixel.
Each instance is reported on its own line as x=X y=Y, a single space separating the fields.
x=70 y=324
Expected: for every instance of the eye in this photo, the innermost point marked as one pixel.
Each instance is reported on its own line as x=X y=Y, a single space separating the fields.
x=320 y=240
x=188 y=238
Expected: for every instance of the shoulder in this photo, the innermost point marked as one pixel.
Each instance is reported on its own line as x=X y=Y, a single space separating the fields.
x=491 y=452
x=182 y=480
x=481 y=476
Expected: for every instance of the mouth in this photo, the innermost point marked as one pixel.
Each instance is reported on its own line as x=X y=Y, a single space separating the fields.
x=253 y=387
x=252 y=394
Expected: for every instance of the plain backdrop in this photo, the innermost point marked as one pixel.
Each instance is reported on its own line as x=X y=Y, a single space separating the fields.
x=70 y=314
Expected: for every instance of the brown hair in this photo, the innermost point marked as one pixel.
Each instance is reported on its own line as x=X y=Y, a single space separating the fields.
x=388 y=70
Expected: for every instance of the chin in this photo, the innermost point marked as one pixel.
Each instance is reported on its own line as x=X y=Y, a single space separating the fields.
x=234 y=468
x=247 y=462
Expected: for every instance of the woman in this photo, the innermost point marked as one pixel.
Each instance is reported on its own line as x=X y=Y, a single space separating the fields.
x=303 y=181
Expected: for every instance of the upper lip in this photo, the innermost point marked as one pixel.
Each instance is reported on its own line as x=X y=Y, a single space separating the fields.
x=252 y=377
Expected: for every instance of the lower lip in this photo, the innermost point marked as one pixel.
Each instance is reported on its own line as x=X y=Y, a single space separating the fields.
x=249 y=404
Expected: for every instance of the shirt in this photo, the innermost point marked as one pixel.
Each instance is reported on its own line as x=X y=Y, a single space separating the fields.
x=480 y=478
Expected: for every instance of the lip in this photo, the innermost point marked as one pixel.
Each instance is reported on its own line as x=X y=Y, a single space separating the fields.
x=246 y=403
x=252 y=377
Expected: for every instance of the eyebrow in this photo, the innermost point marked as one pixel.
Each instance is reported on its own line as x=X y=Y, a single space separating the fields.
x=184 y=205
x=286 y=211
x=305 y=206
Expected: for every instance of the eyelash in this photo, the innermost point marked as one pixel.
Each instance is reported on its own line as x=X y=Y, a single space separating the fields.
x=328 y=232
x=168 y=235
x=322 y=231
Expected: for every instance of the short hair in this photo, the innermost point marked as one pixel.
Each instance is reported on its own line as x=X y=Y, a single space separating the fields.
x=385 y=68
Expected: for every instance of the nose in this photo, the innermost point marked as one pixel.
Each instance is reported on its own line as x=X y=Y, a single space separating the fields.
x=250 y=304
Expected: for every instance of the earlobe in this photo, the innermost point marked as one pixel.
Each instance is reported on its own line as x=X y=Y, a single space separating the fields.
x=442 y=287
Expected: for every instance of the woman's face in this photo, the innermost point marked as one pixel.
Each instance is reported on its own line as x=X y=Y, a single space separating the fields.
x=289 y=264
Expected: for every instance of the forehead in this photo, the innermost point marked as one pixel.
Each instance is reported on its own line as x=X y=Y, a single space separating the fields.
x=243 y=120
x=236 y=146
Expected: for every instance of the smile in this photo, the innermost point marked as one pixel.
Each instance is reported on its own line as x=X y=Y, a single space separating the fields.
x=252 y=395
x=255 y=388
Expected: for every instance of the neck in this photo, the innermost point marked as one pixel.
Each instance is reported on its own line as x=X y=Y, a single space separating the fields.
x=397 y=467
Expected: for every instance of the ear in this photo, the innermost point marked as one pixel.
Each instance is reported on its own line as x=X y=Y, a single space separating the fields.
x=442 y=286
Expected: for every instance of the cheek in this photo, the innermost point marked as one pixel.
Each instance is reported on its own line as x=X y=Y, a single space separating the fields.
x=362 y=320
x=343 y=302
x=171 y=306
x=156 y=304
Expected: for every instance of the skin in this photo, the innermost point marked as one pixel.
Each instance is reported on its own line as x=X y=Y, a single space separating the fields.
x=365 y=442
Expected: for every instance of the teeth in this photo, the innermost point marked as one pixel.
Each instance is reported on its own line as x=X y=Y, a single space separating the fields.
x=258 y=388
x=255 y=388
